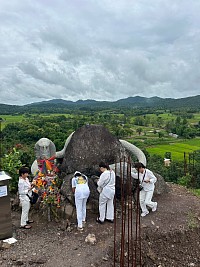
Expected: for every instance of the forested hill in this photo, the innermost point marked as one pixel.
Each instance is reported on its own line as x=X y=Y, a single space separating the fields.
x=60 y=105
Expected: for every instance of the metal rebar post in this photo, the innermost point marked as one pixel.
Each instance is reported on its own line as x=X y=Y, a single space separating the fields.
x=125 y=206
x=137 y=225
x=128 y=252
x=1 y=167
x=128 y=202
x=122 y=220
x=115 y=223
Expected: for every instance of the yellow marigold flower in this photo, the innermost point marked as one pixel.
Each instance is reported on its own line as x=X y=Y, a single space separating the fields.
x=51 y=188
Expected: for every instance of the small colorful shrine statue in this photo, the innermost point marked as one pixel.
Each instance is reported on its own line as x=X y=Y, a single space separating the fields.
x=47 y=182
x=46 y=173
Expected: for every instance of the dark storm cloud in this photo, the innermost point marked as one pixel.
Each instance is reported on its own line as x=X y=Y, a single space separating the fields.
x=103 y=50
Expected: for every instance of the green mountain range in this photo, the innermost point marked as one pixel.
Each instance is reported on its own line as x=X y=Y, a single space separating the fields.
x=60 y=105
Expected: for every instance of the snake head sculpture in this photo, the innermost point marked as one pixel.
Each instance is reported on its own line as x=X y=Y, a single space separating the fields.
x=44 y=149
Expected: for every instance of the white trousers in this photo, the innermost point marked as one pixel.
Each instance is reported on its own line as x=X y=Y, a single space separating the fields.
x=106 y=208
x=25 y=209
x=81 y=210
x=145 y=200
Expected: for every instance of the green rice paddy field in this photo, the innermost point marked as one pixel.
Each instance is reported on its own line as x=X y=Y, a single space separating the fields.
x=177 y=149
x=18 y=118
x=6 y=119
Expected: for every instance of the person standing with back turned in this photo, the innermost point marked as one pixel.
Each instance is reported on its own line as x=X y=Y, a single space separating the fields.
x=106 y=197
x=81 y=192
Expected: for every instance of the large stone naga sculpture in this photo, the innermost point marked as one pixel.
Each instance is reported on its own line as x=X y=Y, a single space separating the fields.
x=132 y=149
x=90 y=144
x=85 y=148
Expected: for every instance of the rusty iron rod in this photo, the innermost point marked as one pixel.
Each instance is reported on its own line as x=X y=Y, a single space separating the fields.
x=122 y=222
x=129 y=249
x=128 y=201
x=115 y=223
x=132 y=192
x=125 y=208
x=137 y=233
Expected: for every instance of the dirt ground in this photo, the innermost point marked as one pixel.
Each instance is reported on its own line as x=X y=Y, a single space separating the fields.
x=170 y=238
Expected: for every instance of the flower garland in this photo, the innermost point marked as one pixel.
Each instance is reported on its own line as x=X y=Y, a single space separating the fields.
x=47 y=182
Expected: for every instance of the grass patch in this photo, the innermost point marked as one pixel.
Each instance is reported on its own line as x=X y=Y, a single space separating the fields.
x=195 y=192
x=196 y=118
x=10 y=119
x=7 y=119
x=177 y=149
x=164 y=116
x=192 y=220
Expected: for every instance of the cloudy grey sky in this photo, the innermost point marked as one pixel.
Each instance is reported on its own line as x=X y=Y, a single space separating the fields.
x=103 y=50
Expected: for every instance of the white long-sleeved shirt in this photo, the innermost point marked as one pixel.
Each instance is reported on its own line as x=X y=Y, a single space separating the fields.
x=107 y=182
x=24 y=187
x=148 y=176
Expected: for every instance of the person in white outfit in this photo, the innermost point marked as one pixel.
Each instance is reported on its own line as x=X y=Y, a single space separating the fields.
x=81 y=191
x=24 y=188
x=107 y=183
x=147 y=181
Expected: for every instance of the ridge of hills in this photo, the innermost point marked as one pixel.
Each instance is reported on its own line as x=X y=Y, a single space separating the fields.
x=130 y=102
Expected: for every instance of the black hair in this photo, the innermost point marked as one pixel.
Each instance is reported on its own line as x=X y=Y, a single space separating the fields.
x=23 y=170
x=139 y=165
x=77 y=174
x=104 y=165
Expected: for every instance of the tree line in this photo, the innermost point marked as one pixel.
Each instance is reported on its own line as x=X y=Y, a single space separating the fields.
x=18 y=139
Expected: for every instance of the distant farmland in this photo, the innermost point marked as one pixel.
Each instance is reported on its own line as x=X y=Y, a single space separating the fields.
x=11 y=119
x=177 y=149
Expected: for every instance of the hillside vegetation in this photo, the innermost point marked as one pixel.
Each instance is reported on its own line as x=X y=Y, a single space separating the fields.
x=160 y=133
x=60 y=105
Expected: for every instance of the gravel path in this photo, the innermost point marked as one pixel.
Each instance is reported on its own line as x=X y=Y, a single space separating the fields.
x=170 y=238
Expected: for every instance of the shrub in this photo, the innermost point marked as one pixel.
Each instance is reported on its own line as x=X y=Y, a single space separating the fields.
x=11 y=164
x=185 y=180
